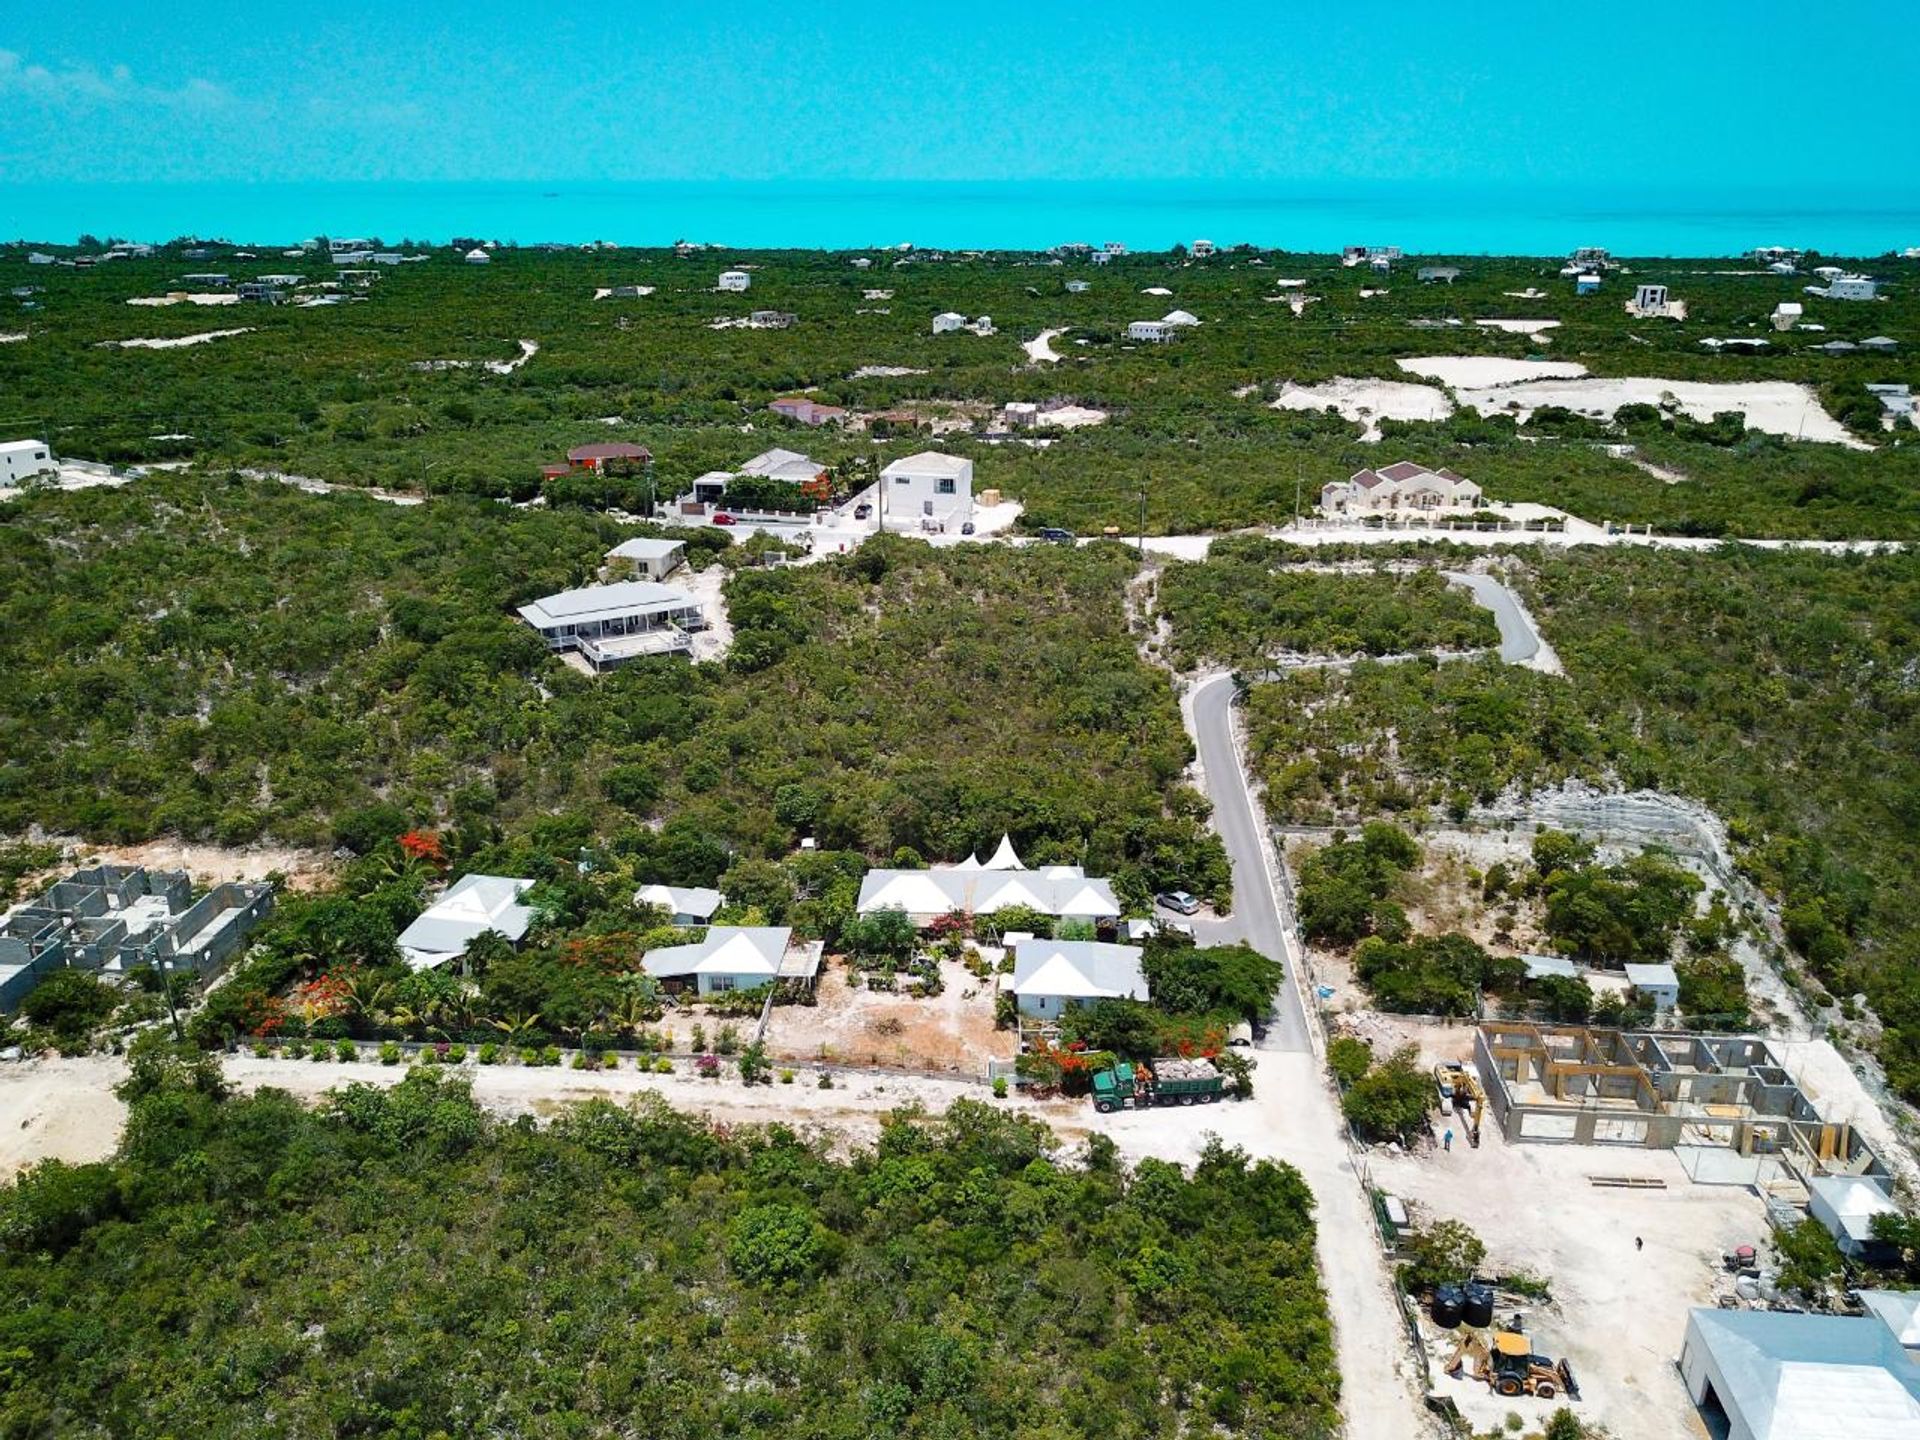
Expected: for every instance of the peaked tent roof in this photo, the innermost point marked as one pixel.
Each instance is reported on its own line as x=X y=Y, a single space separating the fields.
x=1005 y=857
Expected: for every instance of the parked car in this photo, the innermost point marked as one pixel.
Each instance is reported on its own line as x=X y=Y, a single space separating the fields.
x=723 y=519
x=862 y=511
x=1177 y=900
x=1056 y=535
x=967 y=529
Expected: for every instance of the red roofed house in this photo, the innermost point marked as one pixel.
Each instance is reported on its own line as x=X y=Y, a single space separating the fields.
x=1400 y=486
x=614 y=457
x=807 y=412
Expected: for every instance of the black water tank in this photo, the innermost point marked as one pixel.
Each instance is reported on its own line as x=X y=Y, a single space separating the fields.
x=1448 y=1304
x=1478 y=1308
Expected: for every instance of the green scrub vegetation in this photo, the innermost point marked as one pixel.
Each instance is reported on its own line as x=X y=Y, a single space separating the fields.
x=400 y=1262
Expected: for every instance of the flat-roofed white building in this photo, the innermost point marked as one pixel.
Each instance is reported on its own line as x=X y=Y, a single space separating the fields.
x=735 y=280
x=928 y=491
x=21 y=460
x=610 y=624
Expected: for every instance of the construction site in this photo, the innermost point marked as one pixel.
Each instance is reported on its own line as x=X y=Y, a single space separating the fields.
x=1725 y=1102
x=1614 y=1177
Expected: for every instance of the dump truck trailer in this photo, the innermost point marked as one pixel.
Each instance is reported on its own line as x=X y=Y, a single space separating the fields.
x=1169 y=1080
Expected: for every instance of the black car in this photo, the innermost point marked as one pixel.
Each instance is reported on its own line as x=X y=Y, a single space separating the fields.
x=1177 y=900
x=1056 y=535
x=861 y=512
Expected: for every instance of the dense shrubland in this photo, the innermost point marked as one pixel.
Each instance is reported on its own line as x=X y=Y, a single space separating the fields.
x=229 y=660
x=246 y=1265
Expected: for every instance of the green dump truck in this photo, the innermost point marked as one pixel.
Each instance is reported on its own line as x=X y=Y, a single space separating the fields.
x=1169 y=1080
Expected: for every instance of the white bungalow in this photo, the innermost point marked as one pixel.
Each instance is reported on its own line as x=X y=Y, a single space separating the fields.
x=735 y=280
x=686 y=904
x=948 y=321
x=471 y=906
x=928 y=491
x=475 y=256
x=1180 y=319
x=651 y=558
x=610 y=624
x=735 y=957
x=1153 y=332
x=1051 y=975
x=21 y=460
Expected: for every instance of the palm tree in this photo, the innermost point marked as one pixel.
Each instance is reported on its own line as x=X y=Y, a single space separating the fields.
x=516 y=1027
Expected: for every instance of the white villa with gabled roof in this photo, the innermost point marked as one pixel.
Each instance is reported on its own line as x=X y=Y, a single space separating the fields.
x=1050 y=976
x=735 y=957
x=1003 y=883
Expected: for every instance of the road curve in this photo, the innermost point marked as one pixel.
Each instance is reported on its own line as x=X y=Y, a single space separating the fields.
x=1520 y=639
x=1257 y=916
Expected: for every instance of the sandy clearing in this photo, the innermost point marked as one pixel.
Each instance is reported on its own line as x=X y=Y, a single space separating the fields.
x=951 y=1031
x=1071 y=417
x=1619 y=1313
x=631 y=291
x=708 y=586
x=13 y=339
x=216 y=298
x=58 y=1110
x=1485 y=371
x=1779 y=407
x=528 y=349
x=1040 y=349
x=884 y=372
x=1367 y=402
x=176 y=341
x=1156 y=290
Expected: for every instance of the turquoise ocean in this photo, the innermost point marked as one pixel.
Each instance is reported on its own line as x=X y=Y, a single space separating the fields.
x=1422 y=218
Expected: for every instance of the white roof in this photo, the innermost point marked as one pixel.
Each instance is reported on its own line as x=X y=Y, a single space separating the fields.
x=605 y=602
x=471 y=906
x=1005 y=857
x=1643 y=977
x=931 y=462
x=1852 y=1201
x=1898 y=1310
x=951 y=315
x=727 y=950
x=16 y=447
x=1059 y=890
x=478 y=257
x=778 y=464
x=1078 y=970
x=1180 y=317
x=680 y=899
x=1542 y=965
x=1811 y=1377
x=645 y=547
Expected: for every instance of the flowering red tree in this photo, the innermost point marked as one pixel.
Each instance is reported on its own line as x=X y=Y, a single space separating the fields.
x=424 y=846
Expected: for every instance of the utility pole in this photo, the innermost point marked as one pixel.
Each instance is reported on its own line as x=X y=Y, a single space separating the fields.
x=651 y=499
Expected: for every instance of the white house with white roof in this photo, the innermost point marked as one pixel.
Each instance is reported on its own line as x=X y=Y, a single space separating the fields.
x=652 y=558
x=471 y=906
x=21 y=460
x=929 y=491
x=475 y=256
x=1847 y=1205
x=1002 y=883
x=1180 y=319
x=734 y=280
x=1658 y=983
x=1050 y=976
x=1767 y=1375
x=610 y=624
x=735 y=957
x=686 y=904
x=1153 y=332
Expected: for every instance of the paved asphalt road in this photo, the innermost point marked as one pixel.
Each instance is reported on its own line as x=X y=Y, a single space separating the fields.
x=1519 y=641
x=1256 y=917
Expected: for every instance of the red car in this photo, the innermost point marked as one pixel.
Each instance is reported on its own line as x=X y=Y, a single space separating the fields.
x=723 y=519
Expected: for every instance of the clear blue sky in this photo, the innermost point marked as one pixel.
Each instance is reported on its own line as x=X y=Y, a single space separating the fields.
x=1759 y=92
